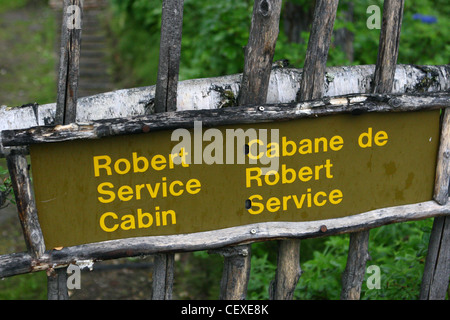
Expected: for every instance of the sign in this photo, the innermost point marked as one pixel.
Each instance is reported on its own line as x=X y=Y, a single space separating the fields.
x=203 y=179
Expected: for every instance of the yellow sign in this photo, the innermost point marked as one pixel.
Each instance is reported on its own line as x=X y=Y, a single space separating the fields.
x=186 y=181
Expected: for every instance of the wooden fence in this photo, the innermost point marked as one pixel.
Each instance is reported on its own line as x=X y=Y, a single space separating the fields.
x=234 y=244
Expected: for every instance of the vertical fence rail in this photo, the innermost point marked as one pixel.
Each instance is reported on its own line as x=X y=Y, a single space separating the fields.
x=259 y=54
x=436 y=274
x=169 y=55
x=69 y=65
x=358 y=255
x=26 y=206
x=66 y=106
x=313 y=77
x=166 y=100
x=311 y=87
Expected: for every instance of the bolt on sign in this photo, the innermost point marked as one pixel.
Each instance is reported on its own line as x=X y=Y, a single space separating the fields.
x=202 y=179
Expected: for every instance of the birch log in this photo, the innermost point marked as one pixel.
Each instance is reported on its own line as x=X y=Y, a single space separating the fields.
x=202 y=93
x=351 y=104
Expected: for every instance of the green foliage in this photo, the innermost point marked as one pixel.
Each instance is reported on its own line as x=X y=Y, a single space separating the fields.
x=6 y=5
x=24 y=287
x=31 y=78
x=6 y=194
x=216 y=32
x=399 y=250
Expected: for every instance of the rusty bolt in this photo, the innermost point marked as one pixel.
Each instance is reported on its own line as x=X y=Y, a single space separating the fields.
x=146 y=128
x=323 y=228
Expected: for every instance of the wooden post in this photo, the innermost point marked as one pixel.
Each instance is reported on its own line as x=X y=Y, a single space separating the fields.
x=313 y=78
x=169 y=56
x=66 y=105
x=288 y=270
x=166 y=100
x=388 y=46
x=236 y=272
x=69 y=67
x=57 y=284
x=163 y=277
x=383 y=83
x=311 y=87
x=436 y=274
x=259 y=54
x=443 y=164
x=353 y=276
x=435 y=278
x=26 y=206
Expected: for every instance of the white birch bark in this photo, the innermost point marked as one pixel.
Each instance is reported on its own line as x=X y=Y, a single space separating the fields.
x=209 y=93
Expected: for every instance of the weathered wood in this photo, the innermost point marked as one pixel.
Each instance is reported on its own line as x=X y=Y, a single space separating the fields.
x=236 y=272
x=350 y=104
x=312 y=84
x=259 y=52
x=66 y=105
x=254 y=87
x=288 y=270
x=57 y=284
x=443 y=164
x=169 y=56
x=114 y=249
x=166 y=100
x=353 y=276
x=311 y=88
x=436 y=275
x=435 y=279
x=202 y=94
x=388 y=46
x=26 y=206
x=163 y=277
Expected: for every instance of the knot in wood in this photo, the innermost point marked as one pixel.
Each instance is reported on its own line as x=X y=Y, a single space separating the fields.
x=264 y=8
x=146 y=128
x=395 y=103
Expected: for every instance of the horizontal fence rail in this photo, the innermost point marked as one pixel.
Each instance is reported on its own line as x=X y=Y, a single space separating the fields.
x=20 y=263
x=351 y=104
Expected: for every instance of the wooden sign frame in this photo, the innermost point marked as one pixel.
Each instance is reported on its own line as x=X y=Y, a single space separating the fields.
x=40 y=258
